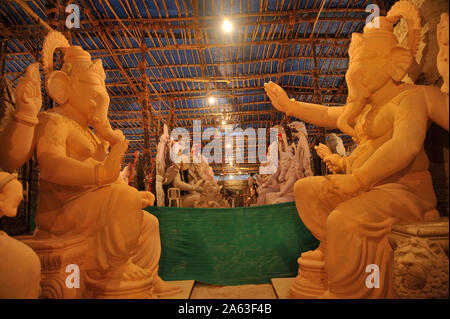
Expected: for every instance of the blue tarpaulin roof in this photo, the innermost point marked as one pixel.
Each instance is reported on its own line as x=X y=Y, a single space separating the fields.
x=177 y=52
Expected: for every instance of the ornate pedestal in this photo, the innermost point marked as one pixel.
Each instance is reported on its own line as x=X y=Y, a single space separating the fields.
x=58 y=280
x=55 y=255
x=421 y=259
x=129 y=289
x=311 y=281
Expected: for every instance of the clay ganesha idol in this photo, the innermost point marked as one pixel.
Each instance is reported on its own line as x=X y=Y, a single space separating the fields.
x=384 y=181
x=81 y=192
x=20 y=268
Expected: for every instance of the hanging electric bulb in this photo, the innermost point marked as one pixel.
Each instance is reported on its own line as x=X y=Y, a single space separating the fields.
x=226 y=25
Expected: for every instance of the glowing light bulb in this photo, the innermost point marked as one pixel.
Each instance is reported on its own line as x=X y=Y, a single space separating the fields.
x=212 y=100
x=227 y=26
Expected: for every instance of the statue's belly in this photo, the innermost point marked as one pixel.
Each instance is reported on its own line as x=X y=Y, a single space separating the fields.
x=364 y=151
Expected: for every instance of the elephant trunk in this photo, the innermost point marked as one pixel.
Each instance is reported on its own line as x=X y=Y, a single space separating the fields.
x=346 y=120
x=104 y=130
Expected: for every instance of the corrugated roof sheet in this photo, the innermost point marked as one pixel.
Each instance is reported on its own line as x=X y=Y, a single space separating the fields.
x=188 y=57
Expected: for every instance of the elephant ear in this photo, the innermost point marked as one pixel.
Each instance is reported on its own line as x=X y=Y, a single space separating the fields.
x=400 y=61
x=57 y=86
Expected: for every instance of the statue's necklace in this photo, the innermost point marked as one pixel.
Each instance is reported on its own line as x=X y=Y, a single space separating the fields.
x=86 y=132
x=369 y=118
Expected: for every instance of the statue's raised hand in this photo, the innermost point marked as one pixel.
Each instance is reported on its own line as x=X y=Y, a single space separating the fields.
x=278 y=97
x=335 y=163
x=198 y=186
x=322 y=150
x=28 y=92
x=147 y=199
x=109 y=171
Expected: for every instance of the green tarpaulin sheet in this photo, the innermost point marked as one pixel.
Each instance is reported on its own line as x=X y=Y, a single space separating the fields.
x=231 y=246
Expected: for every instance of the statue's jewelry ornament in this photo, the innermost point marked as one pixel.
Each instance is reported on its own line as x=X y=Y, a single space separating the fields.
x=25 y=119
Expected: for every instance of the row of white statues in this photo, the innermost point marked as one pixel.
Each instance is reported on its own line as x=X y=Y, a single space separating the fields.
x=200 y=189
x=293 y=164
x=384 y=181
x=195 y=181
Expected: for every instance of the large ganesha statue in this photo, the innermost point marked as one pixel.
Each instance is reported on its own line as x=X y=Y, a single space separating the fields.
x=385 y=180
x=81 y=192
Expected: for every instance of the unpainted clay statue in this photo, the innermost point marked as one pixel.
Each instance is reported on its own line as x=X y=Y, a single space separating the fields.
x=284 y=183
x=438 y=99
x=177 y=175
x=271 y=183
x=271 y=165
x=125 y=174
x=161 y=164
x=81 y=192
x=335 y=144
x=294 y=163
x=384 y=181
x=252 y=195
x=192 y=191
x=205 y=171
x=20 y=268
x=302 y=153
x=211 y=197
x=335 y=162
x=193 y=175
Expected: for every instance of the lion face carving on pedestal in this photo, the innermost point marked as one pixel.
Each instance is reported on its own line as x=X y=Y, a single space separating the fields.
x=421 y=269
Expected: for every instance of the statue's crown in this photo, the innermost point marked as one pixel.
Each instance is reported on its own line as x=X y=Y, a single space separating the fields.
x=379 y=33
x=77 y=60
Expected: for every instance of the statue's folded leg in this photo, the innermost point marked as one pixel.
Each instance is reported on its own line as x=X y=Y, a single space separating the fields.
x=357 y=240
x=148 y=250
x=354 y=231
x=190 y=199
x=119 y=230
x=109 y=217
x=314 y=203
x=147 y=253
